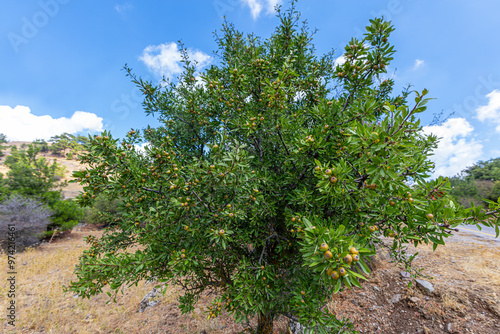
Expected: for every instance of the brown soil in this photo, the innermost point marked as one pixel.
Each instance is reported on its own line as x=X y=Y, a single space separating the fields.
x=466 y=297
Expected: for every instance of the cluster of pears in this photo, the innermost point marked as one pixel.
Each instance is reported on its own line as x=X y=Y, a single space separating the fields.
x=349 y=258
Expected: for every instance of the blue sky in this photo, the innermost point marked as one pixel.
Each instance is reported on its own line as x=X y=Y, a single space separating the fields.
x=61 y=60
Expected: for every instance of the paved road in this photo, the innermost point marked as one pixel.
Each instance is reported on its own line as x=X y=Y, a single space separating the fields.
x=486 y=232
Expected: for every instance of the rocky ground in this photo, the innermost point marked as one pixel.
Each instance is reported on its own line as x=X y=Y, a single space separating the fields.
x=458 y=301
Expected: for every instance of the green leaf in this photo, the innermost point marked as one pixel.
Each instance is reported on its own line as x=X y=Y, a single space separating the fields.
x=338 y=284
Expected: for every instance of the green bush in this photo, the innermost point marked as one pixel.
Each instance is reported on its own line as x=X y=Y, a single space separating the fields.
x=66 y=215
x=104 y=211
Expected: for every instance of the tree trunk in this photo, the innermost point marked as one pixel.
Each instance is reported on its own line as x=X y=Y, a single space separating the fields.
x=265 y=325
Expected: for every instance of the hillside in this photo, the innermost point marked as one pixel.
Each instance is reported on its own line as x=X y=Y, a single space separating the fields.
x=477 y=182
x=71 y=190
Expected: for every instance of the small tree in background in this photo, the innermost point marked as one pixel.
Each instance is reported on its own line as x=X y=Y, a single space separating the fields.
x=42 y=145
x=3 y=140
x=270 y=182
x=30 y=175
x=30 y=217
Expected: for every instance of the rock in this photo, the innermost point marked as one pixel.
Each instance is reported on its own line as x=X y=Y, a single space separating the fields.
x=376 y=288
x=415 y=299
x=148 y=300
x=395 y=299
x=405 y=274
x=296 y=327
x=452 y=328
x=426 y=287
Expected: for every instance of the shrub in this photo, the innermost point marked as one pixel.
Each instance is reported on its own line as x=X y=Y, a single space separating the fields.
x=30 y=217
x=104 y=211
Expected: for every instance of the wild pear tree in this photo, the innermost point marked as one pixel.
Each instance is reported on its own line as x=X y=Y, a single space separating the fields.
x=271 y=180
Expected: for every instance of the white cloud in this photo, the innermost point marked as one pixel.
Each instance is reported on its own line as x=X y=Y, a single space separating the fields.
x=491 y=111
x=124 y=7
x=165 y=59
x=418 y=63
x=141 y=149
x=455 y=150
x=19 y=124
x=256 y=6
x=339 y=61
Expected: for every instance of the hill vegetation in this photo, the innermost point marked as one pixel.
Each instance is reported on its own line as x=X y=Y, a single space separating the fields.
x=35 y=193
x=479 y=183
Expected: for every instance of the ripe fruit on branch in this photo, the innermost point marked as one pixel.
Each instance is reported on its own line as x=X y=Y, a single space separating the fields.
x=342 y=271
x=371 y=228
x=355 y=258
x=324 y=247
x=353 y=250
x=221 y=232
x=391 y=203
x=348 y=259
x=328 y=171
x=328 y=255
x=429 y=216
x=333 y=179
x=335 y=274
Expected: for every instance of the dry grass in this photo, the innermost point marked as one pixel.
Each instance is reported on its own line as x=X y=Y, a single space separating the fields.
x=43 y=308
x=470 y=259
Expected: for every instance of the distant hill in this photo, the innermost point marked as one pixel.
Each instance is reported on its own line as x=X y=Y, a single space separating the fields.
x=478 y=182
